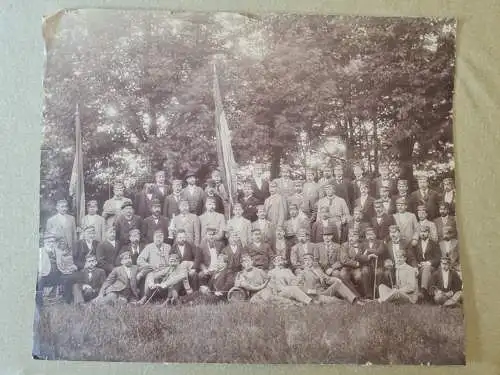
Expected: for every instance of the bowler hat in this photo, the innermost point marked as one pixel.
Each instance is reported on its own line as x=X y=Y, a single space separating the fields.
x=127 y=204
x=190 y=173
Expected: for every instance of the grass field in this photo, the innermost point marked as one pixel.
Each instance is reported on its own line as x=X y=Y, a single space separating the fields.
x=246 y=333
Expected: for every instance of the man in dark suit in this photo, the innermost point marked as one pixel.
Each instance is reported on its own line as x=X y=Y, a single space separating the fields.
x=448 y=194
x=134 y=246
x=84 y=247
x=107 y=252
x=358 y=180
x=144 y=201
x=233 y=252
x=343 y=187
x=125 y=222
x=382 y=221
x=260 y=251
x=446 y=285
x=444 y=220
x=209 y=250
x=160 y=188
x=425 y=196
x=171 y=204
x=384 y=180
x=249 y=202
x=211 y=193
x=121 y=284
x=193 y=194
x=324 y=221
x=365 y=202
x=187 y=252
x=154 y=222
x=90 y=280
x=426 y=256
x=402 y=187
x=260 y=186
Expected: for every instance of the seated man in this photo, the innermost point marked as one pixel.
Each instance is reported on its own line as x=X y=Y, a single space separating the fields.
x=121 y=284
x=206 y=262
x=217 y=286
x=107 y=252
x=171 y=281
x=154 y=222
x=152 y=262
x=249 y=280
x=426 y=256
x=233 y=252
x=444 y=220
x=302 y=202
x=314 y=282
x=356 y=265
x=449 y=246
x=324 y=221
x=446 y=285
x=327 y=255
x=85 y=247
x=423 y=221
x=405 y=286
x=134 y=247
x=260 y=252
x=303 y=246
x=356 y=224
x=282 y=286
x=90 y=280
x=280 y=245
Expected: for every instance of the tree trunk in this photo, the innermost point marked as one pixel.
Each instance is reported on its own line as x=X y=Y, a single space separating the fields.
x=375 y=147
x=405 y=150
x=276 y=153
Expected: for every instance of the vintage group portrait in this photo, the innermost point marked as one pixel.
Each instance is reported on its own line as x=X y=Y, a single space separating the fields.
x=248 y=188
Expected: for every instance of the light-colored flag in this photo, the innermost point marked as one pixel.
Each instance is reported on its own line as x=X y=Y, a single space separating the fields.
x=225 y=154
x=76 y=184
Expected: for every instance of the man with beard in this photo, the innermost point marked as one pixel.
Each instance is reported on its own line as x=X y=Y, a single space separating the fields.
x=134 y=246
x=188 y=222
x=154 y=222
x=446 y=285
x=302 y=247
x=444 y=220
x=160 y=188
x=171 y=203
x=449 y=195
x=338 y=206
x=260 y=252
x=407 y=224
x=125 y=222
x=382 y=221
x=113 y=207
x=210 y=192
x=193 y=194
x=260 y=186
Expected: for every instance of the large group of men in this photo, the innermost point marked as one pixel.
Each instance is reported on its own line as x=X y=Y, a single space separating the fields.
x=290 y=241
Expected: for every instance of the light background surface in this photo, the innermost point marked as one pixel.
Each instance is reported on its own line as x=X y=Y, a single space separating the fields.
x=477 y=136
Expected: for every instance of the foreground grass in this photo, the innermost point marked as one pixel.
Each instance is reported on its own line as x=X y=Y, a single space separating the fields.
x=245 y=333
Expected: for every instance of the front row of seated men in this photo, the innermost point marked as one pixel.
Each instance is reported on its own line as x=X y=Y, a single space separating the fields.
x=307 y=273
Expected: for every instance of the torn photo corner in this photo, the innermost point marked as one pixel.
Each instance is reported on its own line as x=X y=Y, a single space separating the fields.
x=248 y=188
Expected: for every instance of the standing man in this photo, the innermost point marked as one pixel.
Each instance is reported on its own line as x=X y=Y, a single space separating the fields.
x=358 y=179
x=267 y=229
x=425 y=196
x=365 y=202
x=212 y=219
x=144 y=201
x=297 y=220
x=260 y=186
x=384 y=180
x=285 y=183
x=220 y=191
x=239 y=224
x=423 y=221
x=275 y=206
x=193 y=194
x=449 y=248
x=171 y=203
x=125 y=222
x=407 y=224
x=382 y=221
x=160 y=188
x=112 y=207
x=449 y=194
x=154 y=222
x=338 y=206
x=311 y=189
x=326 y=178
x=249 y=202
x=298 y=198
x=188 y=222
x=402 y=187
x=94 y=220
x=211 y=193
x=343 y=188
x=62 y=224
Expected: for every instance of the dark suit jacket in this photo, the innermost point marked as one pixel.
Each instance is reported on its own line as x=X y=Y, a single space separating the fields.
x=388 y=254
x=97 y=280
x=367 y=209
x=233 y=259
x=263 y=193
x=219 y=203
x=432 y=254
x=123 y=228
x=170 y=206
x=167 y=189
x=345 y=190
x=451 y=222
x=436 y=282
x=106 y=255
x=133 y=255
x=377 y=184
x=191 y=253
x=431 y=202
x=377 y=248
x=80 y=252
x=118 y=281
x=204 y=254
x=382 y=229
x=393 y=203
x=142 y=204
x=195 y=199
x=249 y=207
x=222 y=281
x=149 y=227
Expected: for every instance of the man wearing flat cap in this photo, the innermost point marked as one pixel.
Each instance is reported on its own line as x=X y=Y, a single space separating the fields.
x=207 y=260
x=303 y=246
x=338 y=206
x=426 y=196
x=365 y=201
x=325 y=220
x=125 y=222
x=407 y=224
x=193 y=194
x=121 y=284
x=327 y=255
x=211 y=192
x=260 y=251
x=296 y=221
x=212 y=219
x=275 y=206
x=154 y=222
x=446 y=285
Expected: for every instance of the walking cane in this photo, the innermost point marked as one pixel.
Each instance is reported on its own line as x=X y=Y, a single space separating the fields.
x=152 y=295
x=375 y=279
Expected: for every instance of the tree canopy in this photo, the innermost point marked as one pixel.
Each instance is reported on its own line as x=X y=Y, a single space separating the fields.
x=143 y=81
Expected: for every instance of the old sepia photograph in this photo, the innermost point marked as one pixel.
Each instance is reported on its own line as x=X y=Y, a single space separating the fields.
x=248 y=188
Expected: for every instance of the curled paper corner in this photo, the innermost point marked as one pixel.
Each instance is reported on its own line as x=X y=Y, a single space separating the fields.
x=50 y=25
